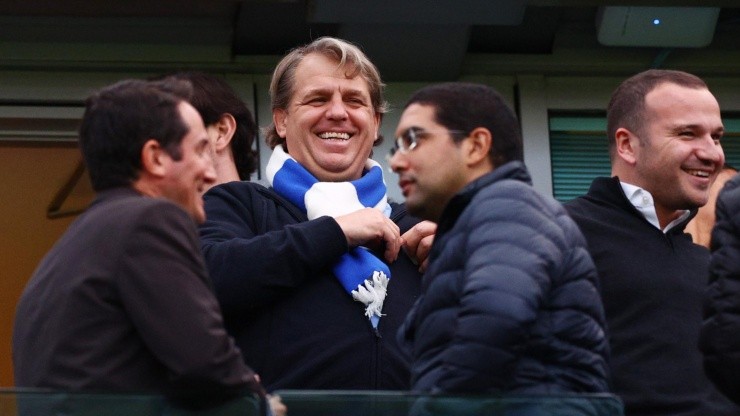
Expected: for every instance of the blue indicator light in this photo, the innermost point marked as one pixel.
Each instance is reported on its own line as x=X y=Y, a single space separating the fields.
x=656 y=22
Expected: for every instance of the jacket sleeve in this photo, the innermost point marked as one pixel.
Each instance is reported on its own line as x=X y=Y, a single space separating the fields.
x=253 y=257
x=164 y=288
x=505 y=277
x=720 y=334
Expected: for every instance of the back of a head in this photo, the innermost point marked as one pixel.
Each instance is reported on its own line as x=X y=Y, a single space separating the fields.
x=626 y=107
x=120 y=118
x=348 y=57
x=465 y=106
x=213 y=97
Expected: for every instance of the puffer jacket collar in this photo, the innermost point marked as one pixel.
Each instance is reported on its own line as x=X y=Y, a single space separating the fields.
x=511 y=170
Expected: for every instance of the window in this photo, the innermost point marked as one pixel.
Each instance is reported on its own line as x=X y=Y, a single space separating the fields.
x=579 y=152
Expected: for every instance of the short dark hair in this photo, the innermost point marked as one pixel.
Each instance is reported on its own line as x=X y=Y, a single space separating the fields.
x=465 y=106
x=348 y=57
x=120 y=118
x=213 y=97
x=627 y=104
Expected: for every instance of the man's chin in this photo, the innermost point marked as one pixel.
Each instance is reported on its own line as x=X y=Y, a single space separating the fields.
x=694 y=203
x=699 y=199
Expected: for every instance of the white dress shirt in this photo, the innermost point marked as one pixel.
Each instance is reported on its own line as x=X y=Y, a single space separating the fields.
x=643 y=202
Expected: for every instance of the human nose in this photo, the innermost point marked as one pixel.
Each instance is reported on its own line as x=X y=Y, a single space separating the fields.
x=337 y=108
x=397 y=161
x=209 y=174
x=711 y=150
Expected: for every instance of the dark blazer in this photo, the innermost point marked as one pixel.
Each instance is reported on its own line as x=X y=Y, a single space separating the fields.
x=122 y=302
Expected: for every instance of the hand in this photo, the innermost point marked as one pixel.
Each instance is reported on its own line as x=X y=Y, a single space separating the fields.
x=369 y=226
x=418 y=241
x=276 y=405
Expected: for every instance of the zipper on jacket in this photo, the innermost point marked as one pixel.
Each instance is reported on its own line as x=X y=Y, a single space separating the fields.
x=377 y=367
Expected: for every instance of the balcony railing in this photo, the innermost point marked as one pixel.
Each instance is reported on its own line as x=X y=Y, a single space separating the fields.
x=22 y=402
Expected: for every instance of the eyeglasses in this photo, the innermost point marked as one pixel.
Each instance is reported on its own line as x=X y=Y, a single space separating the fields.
x=409 y=139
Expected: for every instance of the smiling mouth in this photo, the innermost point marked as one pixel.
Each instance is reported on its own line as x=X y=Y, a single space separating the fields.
x=698 y=173
x=333 y=135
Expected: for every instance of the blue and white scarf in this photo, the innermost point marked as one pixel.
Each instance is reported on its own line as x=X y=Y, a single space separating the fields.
x=362 y=275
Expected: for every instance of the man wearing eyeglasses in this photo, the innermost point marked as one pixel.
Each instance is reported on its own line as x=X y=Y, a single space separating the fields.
x=510 y=301
x=302 y=268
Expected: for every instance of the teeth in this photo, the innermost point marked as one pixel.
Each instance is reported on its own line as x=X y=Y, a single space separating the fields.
x=334 y=135
x=699 y=173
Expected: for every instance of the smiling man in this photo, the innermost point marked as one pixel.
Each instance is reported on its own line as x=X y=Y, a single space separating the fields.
x=509 y=301
x=122 y=302
x=664 y=130
x=302 y=268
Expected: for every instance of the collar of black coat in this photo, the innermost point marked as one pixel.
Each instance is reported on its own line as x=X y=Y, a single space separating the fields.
x=610 y=191
x=510 y=170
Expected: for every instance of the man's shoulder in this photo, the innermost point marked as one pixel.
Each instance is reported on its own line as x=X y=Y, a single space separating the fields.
x=134 y=205
x=578 y=204
x=127 y=211
x=517 y=192
x=586 y=212
x=239 y=187
x=238 y=190
x=246 y=198
x=604 y=193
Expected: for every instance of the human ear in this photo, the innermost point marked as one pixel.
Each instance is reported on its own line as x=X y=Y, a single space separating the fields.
x=153 y=159
x=225 y=127
x=280 y=118
x=477 y=145
x=626 y=145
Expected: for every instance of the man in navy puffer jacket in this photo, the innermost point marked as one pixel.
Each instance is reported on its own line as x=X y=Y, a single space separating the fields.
x=509 y=301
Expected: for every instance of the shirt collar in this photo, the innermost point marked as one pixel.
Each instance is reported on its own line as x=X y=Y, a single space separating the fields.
x=643 y=201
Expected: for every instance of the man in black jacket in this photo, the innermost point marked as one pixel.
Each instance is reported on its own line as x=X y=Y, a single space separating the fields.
x=664 y=130
x=301 y=269
x=509 y=302
x=122 y=302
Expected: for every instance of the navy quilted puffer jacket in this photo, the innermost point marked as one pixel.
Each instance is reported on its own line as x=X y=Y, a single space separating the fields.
x=510 y=300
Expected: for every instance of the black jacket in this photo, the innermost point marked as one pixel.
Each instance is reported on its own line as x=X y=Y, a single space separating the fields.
x=299 y=328
x=509 y=301
x=652 y=284
x=720 y=336
x=122 y=303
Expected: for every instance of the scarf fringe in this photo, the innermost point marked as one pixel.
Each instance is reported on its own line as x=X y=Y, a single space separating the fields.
x=372 y=294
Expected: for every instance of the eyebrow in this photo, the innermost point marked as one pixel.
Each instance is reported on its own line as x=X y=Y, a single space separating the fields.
x=330 y=90
x=720 y=129
x=411 y=128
